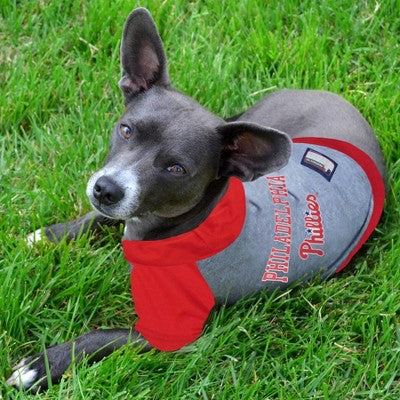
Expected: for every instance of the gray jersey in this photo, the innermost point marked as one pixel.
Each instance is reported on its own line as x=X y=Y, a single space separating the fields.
x=302 y=220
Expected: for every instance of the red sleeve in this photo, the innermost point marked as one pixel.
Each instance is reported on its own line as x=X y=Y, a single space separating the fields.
x=172 y=299
x=172 y=303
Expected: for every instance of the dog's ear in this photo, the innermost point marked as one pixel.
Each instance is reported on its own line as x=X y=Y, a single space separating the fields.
x=143 y=59
x=250 y=150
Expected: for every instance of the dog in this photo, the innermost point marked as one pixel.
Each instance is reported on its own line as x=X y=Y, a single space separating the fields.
x=216 y=210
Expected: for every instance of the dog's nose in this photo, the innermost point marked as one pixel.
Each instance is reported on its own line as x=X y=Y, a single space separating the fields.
x=107 y=192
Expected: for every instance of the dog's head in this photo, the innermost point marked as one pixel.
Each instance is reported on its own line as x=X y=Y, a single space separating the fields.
x=166 y=149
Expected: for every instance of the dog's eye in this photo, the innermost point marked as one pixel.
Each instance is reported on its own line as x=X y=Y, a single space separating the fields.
x=176 y=169
x=125 y=131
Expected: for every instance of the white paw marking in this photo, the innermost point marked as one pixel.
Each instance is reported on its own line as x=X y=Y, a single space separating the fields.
x=34 y=237
x=20 y=364
x=22 y=376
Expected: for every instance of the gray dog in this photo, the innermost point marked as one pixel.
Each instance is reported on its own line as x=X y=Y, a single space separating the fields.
x=218 y=210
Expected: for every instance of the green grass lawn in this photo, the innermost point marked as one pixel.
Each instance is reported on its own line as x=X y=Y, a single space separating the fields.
x=59 y=67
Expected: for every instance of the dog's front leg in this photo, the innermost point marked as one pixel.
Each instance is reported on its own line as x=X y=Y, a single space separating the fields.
x=31 y=373
x=91 y=222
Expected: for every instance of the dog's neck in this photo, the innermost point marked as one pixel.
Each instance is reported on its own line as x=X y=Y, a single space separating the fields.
x=151 y=227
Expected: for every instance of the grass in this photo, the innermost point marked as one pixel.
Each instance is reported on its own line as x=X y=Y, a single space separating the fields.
x=58 y=101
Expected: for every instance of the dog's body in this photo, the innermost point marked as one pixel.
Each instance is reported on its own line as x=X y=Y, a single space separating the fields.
x=171 y=162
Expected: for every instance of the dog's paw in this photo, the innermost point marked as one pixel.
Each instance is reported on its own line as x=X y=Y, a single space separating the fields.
x=35 y=237
x=31 y=373
x=28 y=374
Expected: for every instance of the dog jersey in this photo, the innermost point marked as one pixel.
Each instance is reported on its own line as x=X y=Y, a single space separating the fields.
x=307 y=219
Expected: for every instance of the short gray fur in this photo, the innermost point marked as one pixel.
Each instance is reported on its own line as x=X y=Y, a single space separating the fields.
x=316 y=113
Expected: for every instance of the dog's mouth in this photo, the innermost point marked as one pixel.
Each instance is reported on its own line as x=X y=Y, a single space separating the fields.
x=116 y=211
x=106 y=211
x=102 y=209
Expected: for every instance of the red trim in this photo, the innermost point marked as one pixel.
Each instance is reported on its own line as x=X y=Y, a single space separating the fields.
x=214 y=234
x=374 y=177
